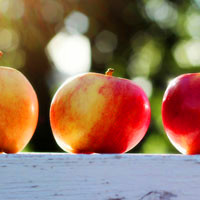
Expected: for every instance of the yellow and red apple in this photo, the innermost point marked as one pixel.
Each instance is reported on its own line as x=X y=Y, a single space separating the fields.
x=96 y=113
x=18 y=110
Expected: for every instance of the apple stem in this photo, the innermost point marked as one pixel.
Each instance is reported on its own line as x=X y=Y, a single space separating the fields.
x=1 y=54
x=109 y=72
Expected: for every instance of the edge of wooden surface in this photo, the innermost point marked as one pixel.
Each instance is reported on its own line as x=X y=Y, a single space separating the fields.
x=60 y=176
x=126 y=155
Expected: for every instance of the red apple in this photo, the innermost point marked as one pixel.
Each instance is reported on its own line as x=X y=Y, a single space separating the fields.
x=18 y=110
x=181 y=113
x=96 y=113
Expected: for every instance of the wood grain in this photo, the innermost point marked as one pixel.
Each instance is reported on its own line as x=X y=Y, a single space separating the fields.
x=99 y=177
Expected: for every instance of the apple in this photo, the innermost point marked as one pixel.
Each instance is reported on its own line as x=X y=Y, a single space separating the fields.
x=181 y=113
x=18 y=110
x=97 y=113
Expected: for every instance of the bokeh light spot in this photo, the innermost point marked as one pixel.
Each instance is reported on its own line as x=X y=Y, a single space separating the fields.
x=193 y=24
x=9 y=39
x=162 y=12
x=146 y=57
x=187 y=53
x=106 y=41
x=145 y=84
x=71 y=54
x=12 y=9
x=77 y=22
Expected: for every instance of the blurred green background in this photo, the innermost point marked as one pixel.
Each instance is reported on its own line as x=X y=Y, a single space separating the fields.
x=147 y=41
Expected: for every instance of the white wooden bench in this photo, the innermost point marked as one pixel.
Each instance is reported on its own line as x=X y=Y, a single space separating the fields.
x=99 y=177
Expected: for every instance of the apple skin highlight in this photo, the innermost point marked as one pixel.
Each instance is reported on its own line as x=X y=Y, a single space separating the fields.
x=96 y=113
x=18 y=110
x=181 y=113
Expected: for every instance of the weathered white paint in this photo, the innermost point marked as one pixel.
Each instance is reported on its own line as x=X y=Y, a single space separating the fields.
x=99 y=177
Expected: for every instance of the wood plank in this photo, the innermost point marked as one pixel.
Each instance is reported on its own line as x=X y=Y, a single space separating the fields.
x=99 y=177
